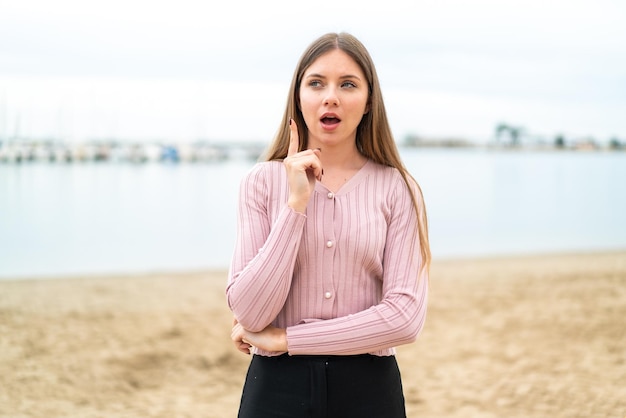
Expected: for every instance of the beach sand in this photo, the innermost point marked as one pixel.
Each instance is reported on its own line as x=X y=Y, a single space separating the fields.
x=533 y=336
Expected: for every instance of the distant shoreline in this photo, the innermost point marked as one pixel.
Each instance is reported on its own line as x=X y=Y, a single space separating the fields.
x=529 y=257
x=49 y=151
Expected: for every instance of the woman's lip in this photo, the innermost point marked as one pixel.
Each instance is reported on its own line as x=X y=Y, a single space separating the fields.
x=330 y=126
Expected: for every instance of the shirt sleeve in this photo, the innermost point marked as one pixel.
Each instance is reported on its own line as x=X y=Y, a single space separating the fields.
x=400 y=315
x=265 y=252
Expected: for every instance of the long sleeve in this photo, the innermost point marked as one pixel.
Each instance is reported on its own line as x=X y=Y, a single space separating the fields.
x=399 y=316
x=266 y=248
x=345 y=278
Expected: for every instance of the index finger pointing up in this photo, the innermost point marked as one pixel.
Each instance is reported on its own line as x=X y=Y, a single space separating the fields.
x=294 y=138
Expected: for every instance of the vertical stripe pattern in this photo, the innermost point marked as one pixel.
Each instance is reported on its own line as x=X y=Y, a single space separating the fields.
x=343 y=278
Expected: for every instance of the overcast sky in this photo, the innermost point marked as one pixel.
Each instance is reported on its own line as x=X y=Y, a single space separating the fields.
x=188 y=69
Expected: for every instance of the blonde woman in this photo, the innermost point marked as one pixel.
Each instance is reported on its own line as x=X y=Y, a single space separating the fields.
x=330 y=269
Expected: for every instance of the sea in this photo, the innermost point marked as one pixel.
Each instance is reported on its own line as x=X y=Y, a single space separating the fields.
x=103 y=218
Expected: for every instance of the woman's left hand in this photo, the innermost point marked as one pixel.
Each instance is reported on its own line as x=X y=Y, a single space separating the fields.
x=270 y=339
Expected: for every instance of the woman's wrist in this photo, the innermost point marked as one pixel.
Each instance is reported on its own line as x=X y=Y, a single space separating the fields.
x=281 y=339
x=297 y=205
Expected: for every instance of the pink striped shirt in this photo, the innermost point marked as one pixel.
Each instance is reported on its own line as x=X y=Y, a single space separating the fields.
x=343 y=278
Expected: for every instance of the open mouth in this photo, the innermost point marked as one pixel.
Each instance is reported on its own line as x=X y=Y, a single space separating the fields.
x=330 y=120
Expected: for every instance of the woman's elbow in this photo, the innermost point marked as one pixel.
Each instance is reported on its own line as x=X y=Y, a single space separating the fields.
x=414 y=332
x=412 y=327
x=254 y=324
x=248 y=319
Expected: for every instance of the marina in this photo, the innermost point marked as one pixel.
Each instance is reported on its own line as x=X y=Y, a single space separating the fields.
x=16 y=152
x=24 y=151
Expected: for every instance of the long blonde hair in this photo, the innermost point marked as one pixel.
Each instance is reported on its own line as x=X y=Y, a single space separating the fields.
x=374 y=138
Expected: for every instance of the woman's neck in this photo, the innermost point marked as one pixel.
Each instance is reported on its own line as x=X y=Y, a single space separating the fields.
x=340 y=157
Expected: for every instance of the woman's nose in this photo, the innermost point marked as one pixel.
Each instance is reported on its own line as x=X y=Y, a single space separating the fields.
x=331 y=97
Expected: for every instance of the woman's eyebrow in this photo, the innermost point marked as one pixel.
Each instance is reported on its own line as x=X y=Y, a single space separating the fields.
x=315 y=75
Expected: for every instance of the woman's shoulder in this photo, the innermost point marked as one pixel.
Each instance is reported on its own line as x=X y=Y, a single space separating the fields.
x=265 y=168
x=393 y=180
x=262 y=179
x=382 y=169
x=388 y=172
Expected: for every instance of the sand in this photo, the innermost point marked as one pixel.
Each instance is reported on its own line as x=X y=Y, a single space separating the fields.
x=535 y=336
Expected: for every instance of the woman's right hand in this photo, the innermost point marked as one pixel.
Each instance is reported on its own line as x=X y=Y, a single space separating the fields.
x=303 y=169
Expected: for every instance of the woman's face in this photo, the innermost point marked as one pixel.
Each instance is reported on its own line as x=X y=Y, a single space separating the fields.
x=334 y=97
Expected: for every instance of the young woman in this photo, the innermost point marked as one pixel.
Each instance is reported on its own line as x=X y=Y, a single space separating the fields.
x=330 y=270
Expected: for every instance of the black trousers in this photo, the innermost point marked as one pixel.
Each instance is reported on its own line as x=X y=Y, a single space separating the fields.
x=362 y=386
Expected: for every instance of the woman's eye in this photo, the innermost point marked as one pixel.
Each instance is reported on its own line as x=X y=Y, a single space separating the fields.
x=315 y=83
x=348 y=84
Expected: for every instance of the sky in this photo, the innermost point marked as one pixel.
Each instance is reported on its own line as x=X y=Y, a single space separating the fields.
x=195 y=69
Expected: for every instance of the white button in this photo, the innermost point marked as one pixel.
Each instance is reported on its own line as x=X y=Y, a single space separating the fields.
x=329 y=244
x=331 y=195
x=328 y=295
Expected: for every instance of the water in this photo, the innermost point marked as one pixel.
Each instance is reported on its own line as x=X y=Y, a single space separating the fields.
x=58 y=220
x=494 y=203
